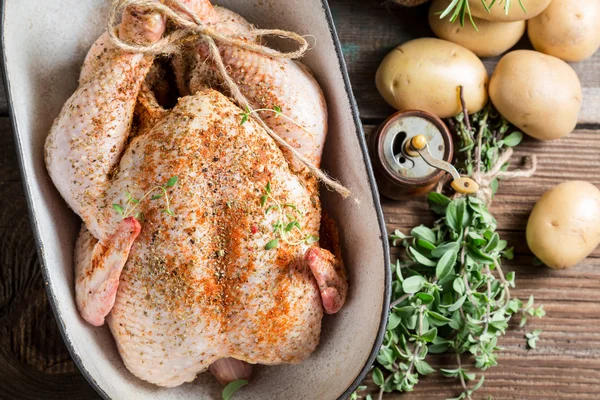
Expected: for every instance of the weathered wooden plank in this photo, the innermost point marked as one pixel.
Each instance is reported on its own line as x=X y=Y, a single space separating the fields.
x=34 y=362
x=9 y=171
x=369 y=30
x=3 y=102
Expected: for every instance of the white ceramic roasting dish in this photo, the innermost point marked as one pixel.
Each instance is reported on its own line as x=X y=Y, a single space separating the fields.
x=44 y=43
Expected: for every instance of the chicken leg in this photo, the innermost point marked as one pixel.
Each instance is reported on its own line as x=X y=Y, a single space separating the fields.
x=85 y=144
x=88 y=137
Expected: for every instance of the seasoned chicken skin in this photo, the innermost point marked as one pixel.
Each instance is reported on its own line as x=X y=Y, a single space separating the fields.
x=199 y=243
x=266 y=82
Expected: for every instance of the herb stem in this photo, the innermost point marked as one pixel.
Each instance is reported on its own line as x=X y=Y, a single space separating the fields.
x=464 y=108
x=400 y=300
x=416 y=350
x=129 y=212
x=286 y=227
x=414 y=356
x=503 y=280
x=489 y=295
x=380 y=397
x=463 y=269
x=278 y=113
x=462 y=379
x=132 y=203
x=482 y=127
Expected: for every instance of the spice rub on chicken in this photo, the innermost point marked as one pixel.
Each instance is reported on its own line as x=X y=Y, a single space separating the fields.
x=199 y=243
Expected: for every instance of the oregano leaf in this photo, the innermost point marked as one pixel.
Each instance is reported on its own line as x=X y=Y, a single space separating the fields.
x=413 y=284
x=421 y=259
x=514 y=139
x=377 y=377
x=445 y=265
x=172 y=181
x=232 y=388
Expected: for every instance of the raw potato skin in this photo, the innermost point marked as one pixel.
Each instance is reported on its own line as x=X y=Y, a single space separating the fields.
x=492 y=39
x=540 y=94
x=424 y=74
x=564 y=226
x=515 y=12
x=567 y=29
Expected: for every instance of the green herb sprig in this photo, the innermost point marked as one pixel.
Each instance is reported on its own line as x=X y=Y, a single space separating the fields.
x=486 y=132
x=278 y=114
x=357 y=395
x=532 y=338
x=481 y=139
x=460 y=10
x=247 y=113
x=232 y=388
x=287 y=228
x=132 y=203
x=449 y=294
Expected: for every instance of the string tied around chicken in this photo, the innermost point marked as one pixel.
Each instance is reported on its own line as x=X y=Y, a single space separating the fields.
x=192 y=30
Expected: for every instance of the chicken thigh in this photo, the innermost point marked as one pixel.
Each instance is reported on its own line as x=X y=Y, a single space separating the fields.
x=199 y=242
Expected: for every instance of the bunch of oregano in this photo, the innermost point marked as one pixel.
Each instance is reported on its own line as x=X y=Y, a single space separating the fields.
x=449 y=294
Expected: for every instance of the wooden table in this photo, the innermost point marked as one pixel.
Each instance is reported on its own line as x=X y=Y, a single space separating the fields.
x=34 y=363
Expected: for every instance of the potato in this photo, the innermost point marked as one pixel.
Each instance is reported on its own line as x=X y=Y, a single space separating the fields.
x=491 y=38
x=515 y=12
x=424 y=74
x=564 y=226
x=540 y=94
x=567 y=29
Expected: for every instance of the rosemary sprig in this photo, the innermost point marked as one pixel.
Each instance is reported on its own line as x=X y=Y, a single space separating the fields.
x=460 y=9
x=287 y=228
x=132 y=203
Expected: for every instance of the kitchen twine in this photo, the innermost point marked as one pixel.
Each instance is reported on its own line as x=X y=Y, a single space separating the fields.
x=484 y=179
x=192 y=30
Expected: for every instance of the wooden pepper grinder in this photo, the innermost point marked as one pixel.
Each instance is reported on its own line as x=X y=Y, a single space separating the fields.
x=411 y=152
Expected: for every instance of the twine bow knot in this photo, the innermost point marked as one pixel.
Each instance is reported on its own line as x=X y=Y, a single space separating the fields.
x=484 y=179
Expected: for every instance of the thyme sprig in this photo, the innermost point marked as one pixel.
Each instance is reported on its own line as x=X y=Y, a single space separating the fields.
x=460 y=10
x=132 y=203
x=247 y=113
x=278 y=114
x=287 y=228
x=449 y=295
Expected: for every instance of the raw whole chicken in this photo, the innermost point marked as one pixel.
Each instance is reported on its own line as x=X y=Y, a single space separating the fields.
x=199 y=243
